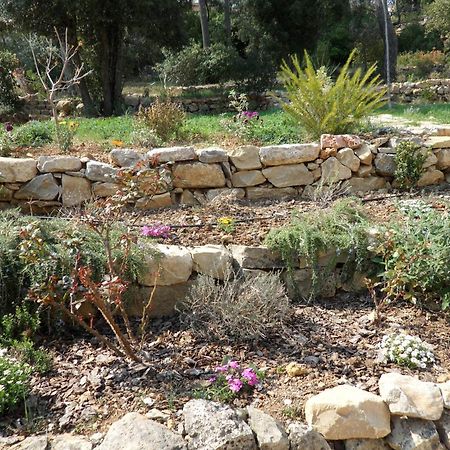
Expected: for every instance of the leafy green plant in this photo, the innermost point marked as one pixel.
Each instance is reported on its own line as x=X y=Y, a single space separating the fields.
x=66 y=133
x=341 y=229
x=409 y=164
x=25 y=351
x=22 y=323
x=227 y=224
x=8 y=94
x=33 y=134
x=321 y=105
x=413 y=255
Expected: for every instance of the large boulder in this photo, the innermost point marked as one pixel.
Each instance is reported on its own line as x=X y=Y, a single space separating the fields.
x=98 y=171
x=212 y=260
x=58 y=164
x=42 y=187
x=346 y=412
x=269 y=433
x=198 y=175
x=245 y=158
x=166 y=265
x=333 y=171
x=408 y=396
x=211 y=426
x=247 y=178
x=280 y=155
x=172 y=154
x=136 y=432
x=413 y=434
x=303 y=438
x=75 y=190
x=291 y=175
x=17 y=170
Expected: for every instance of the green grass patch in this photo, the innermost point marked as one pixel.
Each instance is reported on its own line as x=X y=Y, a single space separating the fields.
x=439 y=112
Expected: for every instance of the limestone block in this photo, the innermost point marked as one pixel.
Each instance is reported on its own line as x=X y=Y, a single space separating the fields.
x=290 y=175
x=75 y=190
x=280 y=155
x=198 y=175
x=17 y=170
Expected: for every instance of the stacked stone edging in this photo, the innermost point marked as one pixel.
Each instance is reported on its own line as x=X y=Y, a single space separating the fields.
x=409 y=414
x=199 y=176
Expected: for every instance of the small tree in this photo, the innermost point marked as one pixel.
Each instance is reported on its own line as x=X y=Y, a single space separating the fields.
x=59 y=73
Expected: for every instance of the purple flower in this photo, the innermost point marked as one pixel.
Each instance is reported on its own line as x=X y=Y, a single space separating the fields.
x=250 y=114
x=156 y=231
x=212 y=379
x=235 y=384
x=251 y=377
x=221 y=368
x=233 y=364
x=8 y=127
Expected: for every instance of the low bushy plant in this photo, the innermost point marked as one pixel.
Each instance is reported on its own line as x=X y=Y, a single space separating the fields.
x=322 y=105
x=8 y=94
x=33 y=134
x=409 y=159
x=421 y=64
x=237 y=309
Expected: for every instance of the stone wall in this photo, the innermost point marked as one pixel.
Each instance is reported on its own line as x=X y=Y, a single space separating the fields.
x=437 y=90
x=199 y=176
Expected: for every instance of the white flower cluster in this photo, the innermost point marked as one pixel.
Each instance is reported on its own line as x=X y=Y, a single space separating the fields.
x=407 y=350
x=414 y=207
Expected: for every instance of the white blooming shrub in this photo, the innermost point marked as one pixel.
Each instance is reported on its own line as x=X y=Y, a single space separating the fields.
x=14 y=380
x=406 y=350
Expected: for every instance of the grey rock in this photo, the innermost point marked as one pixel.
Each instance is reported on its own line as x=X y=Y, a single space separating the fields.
x=289 y=175
x=303 y=438
x=17 y=170
x=32 y=443
x=261 y=193
x=58 y=164
x=211 y=426
x=98 y=171
x=42 y=187
x=172 y=154
x=385 y=164
x=135 y=432
x=69 y=442
x=443 y=428
x=333 y=171
x=269 y=433
x=278 y=155
x=198 y=175
x=366 y=444
x=212 y=155
x=247 y=178
x=256 y=257
x=75 y=190
x=125 y=157
x=245 y=158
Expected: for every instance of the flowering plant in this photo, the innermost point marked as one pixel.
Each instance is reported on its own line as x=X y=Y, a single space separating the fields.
x=227 y=224
x=14 y=378
x=156 y=231
x=6 y=139
x=231 y=380
x=65 y=133
x=406 y=350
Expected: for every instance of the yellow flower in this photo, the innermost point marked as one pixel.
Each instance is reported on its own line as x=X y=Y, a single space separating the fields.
x=117 y=143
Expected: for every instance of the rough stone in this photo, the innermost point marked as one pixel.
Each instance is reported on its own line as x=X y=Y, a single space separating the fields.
x=235 y=193
x=75 y=190
x=5 y=194
x=346 y=412
x=303 y=438
x=340 y=141
x=17 y=170
x=366 y=444
x=188 y=198
x=327 y=153
x=280 y=155
x=413 y=434
x=58 y=164
x=408 y=396
x=269 y=433
x=259 y=193
x=443 y=428
x=347 y=157
x=42 y=187
x=368 y=184
x=212 y=260
x=445 y=391
x=171 y=265
x=256 y=257
x=32 y=443
x=333 y=171
x=135 y=432
x=104 y=189
x=125 y=157
x=438 y=142
x=211 y=426
x=299 y=284
x=98 y=171
x=365 y=154
x=172 y=154
x=156 y=201
x=431 y=159
x=291 y=175
x=430 y=177
x=69 y=442
x=247 y=178
x=212 y=155
x=385 y=164
x=443 y=159
x=245 y=158
x=198 y=175
x=364 y=171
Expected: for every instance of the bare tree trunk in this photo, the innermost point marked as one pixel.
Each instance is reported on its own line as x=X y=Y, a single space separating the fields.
x=390 y=40
x=227 y=18
x=204 y=23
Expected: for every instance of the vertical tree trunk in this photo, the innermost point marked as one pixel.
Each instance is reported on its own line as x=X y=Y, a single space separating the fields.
x=390 y=38
x=204 y=23
x=227 y=18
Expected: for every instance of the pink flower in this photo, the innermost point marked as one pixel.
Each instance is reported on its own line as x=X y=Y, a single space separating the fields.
x=156 y=231
x=251 y=377
x=235 y=384
x=221 y=368
x=233 y=364
x=212 y=379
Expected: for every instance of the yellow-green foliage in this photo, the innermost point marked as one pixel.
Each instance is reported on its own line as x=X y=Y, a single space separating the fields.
x=322 y=105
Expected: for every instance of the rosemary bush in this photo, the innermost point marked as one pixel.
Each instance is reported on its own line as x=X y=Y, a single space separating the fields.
x=409 y=164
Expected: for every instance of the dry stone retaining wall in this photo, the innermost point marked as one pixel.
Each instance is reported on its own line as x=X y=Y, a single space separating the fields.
x=198 y=176
x=409 y=414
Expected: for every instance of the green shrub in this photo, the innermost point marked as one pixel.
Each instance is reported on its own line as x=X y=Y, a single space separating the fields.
x=309 y=236
x=409 y=161
x=33 y=134
x=163 y=118
x=414 y=255
x=26 y=352
x=23 y=322
x=420 y=65
x=14 y=382
x=8 y=95
x=321 y=105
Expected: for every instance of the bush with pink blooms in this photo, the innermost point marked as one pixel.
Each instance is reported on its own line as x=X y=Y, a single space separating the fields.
x=232 y=380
